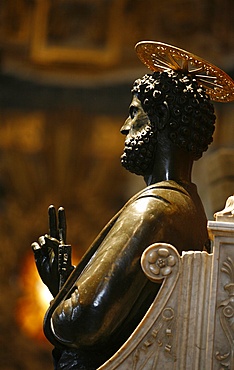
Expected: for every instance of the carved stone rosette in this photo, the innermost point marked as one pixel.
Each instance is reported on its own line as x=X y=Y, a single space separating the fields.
x=158 y=261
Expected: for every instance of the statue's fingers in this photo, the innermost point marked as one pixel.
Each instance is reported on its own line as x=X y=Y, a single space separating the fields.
x=35 y=246
x=42 y=241
x=38 y=252
x=53 y=231
x=45 y=245
x=62 y=226
x=40 y=248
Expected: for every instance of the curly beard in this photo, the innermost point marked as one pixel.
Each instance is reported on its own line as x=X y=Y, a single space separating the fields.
x=139 y=152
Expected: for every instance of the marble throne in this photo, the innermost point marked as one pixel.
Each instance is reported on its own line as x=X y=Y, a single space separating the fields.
x=190 y=324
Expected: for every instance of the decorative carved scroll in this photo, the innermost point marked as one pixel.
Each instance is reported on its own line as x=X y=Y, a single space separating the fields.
x=226 y=314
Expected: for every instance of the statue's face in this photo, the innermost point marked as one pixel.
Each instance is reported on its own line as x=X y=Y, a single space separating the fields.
x=140 y=140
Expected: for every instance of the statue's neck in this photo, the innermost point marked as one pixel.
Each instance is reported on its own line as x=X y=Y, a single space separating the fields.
x=170 y=163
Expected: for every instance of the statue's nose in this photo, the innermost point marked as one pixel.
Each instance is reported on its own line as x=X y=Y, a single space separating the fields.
x=126 y=126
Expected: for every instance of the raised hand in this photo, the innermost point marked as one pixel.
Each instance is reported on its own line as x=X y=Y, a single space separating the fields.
x=52 y=255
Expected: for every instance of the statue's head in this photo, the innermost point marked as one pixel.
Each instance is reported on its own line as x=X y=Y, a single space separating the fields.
x=170 y=102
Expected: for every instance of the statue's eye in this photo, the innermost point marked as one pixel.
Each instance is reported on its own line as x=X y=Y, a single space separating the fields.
x=133 y=111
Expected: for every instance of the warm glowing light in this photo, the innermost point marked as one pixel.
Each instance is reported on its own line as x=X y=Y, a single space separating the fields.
x=44 y=295
x=34 y=301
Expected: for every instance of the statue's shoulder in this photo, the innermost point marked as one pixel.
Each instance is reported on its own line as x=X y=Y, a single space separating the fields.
x=162 y=199
x=165 y=198
x=166 y=190
x=156 y=198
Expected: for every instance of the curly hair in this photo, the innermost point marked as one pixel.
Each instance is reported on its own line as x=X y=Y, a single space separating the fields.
x=191 y=113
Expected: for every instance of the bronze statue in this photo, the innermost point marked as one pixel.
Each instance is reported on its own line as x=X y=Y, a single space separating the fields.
x=171 y=120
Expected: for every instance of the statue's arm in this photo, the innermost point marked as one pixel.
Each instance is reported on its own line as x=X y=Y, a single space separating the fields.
x=113 y=280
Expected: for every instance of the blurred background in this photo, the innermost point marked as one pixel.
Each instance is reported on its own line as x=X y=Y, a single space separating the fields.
x=66 y=70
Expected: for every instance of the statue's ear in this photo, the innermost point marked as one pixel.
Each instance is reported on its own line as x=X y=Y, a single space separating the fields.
x=164 y=115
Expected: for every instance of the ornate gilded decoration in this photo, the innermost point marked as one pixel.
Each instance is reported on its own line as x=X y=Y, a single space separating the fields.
x=160 y=57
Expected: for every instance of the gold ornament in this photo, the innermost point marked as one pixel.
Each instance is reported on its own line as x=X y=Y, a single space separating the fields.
x=159 y=57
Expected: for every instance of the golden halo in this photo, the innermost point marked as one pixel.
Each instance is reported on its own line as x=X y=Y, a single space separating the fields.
x=160 y=57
